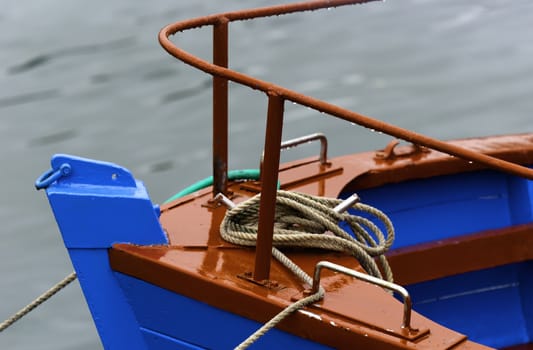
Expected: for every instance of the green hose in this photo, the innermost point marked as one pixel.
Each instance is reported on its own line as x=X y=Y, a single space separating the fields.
x=244 y=174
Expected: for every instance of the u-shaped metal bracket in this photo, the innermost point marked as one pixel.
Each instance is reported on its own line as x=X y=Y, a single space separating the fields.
x=407 y=305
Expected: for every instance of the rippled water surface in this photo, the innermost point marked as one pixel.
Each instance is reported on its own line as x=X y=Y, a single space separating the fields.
x=89 y=78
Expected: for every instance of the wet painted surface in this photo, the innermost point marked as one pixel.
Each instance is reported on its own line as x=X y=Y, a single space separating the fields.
x=104 y=89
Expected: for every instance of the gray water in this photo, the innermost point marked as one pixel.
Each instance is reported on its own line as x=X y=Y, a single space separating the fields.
x=89 y=78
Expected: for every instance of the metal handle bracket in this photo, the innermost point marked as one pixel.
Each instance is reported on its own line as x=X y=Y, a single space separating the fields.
x=407 y=305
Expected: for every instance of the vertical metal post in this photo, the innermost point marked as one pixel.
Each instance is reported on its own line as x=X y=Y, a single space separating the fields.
x=220 y=109
x=269 y=181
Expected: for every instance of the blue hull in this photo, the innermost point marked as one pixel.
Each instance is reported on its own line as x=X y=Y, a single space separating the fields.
x=100 y=204
x=178 y=322
x=494 y=306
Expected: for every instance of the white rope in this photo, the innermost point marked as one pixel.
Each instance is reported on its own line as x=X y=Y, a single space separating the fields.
x=279 y=317
x=38 y=301
x=289 y=309
x=302 y=221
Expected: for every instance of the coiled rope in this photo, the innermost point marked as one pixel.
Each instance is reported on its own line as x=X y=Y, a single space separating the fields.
x=38 y=301
x=302 y=220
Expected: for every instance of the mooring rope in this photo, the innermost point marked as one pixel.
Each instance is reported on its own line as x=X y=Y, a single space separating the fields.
x=303 y=220
x=304 y=277
x=38 y=301
x=279 y=317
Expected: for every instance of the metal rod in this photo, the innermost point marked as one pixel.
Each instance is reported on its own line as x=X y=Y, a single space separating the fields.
x=410 y=136
x=323 y=157
x=220 y=198
x=220 y=108
x=346 y=204
x=227 y=74
x=407 y=304
x=309 y=138
x=269 y=183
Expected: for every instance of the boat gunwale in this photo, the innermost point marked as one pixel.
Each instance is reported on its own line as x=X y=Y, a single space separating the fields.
x=508 y=147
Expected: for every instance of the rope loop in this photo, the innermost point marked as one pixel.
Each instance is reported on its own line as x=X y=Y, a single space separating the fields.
x=303 y=220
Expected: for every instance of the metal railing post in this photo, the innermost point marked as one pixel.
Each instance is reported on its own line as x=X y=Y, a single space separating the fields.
x=220 y=108
x=269 y=183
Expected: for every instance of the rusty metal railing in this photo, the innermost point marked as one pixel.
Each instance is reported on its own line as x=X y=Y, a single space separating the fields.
x=277 y=95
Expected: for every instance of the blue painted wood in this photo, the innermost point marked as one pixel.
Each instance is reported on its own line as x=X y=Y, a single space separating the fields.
x=446 y=206
x=92 y=172
x=490 y=306
x=96 y=205
x=495 y=306
x=190 y=321
x=112 y=315
x=526 y=295
x=159 y=341
x=520 y=200
x=92 y=214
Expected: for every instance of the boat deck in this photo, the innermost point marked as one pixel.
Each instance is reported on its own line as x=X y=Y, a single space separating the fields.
x=201 y=266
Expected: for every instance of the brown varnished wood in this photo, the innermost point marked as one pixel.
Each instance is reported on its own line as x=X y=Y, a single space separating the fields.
x=196 y=250
x=352 y=312
x=333 y=321
x=513 y=148
x=462 y=254
x=520 y=347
